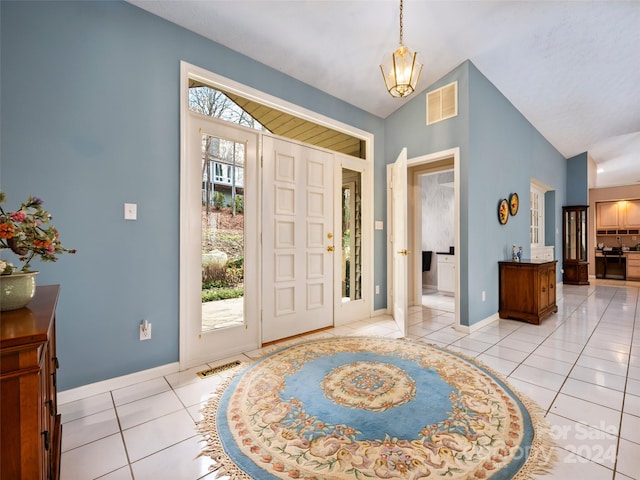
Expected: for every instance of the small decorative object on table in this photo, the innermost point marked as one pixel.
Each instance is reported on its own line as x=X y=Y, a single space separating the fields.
x=26 y=232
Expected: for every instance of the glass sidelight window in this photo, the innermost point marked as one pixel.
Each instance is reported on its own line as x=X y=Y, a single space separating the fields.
x=222 y=222
x=351 y=235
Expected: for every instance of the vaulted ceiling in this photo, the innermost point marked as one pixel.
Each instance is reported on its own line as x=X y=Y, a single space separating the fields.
x=572 y=68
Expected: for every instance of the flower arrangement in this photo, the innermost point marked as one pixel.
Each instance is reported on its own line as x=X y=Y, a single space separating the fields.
x=27 y=233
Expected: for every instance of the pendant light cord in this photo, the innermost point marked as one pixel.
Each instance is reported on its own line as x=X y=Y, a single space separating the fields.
x=401 y=23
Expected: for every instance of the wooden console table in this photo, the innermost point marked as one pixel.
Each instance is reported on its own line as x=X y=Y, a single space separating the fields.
x=30 y=426
x=528 y=290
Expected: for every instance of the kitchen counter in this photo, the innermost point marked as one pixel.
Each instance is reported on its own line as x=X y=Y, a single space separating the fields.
x=599 y=253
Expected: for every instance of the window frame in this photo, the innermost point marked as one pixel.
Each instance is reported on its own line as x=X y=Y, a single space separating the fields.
x=537 y=209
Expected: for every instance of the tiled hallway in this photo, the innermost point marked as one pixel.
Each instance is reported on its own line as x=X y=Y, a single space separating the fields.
x=581 y=365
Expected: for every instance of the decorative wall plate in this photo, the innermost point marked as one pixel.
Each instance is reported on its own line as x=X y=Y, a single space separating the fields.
x=514 y=202
x=503 y=211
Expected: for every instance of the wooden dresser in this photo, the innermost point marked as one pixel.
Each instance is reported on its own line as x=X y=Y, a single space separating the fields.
x=528 y=290
x=30 y=425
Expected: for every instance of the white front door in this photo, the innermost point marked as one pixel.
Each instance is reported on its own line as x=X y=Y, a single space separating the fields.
x=217 y=329
x=297 y=240
x=398 y=194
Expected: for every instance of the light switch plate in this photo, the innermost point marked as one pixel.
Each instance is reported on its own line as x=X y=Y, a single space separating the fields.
x=379 y=225
x=130 y=211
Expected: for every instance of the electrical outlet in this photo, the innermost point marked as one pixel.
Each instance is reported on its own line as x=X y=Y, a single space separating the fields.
x=145 y=330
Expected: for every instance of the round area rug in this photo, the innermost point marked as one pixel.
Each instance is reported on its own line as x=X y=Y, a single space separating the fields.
x=367 y=408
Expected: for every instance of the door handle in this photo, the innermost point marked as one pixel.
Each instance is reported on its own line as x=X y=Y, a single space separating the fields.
x=330 y=248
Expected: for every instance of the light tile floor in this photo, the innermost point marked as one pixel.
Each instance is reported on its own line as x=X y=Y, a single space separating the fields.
x=581 y=365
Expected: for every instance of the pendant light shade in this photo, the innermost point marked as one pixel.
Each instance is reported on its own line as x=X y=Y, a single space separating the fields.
x=402 y=71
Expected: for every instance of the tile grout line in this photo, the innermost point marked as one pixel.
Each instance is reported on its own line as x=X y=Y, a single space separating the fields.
x=623 y=393
x=583 y=348
x=124 y=443
x=626 y=381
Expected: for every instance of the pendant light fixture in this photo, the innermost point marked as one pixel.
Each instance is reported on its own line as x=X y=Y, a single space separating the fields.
x=402 y=71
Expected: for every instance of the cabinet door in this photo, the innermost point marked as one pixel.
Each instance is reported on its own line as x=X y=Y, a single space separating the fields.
x=45 y=421
x=632 y=214
x=543 y=288
x=446 y=274
x=551 y=280
x=607 y=215
x=633 y=266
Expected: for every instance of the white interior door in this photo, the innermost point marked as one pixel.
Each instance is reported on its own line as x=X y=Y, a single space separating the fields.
x=297 y=240
x=399 y=239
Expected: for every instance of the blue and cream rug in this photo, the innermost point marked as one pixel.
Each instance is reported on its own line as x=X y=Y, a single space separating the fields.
x=369 y=408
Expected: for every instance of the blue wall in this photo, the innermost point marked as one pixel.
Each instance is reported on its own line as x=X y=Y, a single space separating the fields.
x=89 y=121
x=506 y=152
x=500 y=152
x=578 y=176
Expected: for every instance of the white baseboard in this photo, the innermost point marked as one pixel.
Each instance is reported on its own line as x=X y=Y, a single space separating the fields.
x=103 y=386
x=347 y=321
x=478 y=325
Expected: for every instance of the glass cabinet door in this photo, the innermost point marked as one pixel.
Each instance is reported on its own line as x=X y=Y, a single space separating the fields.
x=571 y=235
x=582 y=232
x=574 y=245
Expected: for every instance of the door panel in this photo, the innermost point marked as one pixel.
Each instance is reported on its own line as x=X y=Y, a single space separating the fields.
x=543 y=285
x=297 y=274
x=399 y=240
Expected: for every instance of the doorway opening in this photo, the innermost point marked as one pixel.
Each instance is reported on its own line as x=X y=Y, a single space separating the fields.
x=432 y=228
x=435 y=235
x=412 y=272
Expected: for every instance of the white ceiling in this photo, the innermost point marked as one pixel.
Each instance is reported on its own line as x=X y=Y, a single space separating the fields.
x=571 y=67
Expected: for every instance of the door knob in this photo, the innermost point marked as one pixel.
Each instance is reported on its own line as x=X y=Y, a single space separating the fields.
x=329 y=236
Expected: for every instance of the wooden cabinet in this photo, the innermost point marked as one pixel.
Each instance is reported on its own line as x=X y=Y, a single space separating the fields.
x=632 y=214
x=607 y=216
x=30 y=426
x=633 y=266
x=528 y=290
x=446 y=273
x=575 y=264
x=622 y=215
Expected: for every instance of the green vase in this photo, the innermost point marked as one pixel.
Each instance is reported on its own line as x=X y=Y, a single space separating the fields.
x=17 y=290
